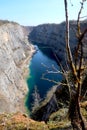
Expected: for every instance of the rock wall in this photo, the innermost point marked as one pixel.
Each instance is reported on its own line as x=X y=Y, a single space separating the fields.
x=15 y=50
x=57 y=98
x=53 y=35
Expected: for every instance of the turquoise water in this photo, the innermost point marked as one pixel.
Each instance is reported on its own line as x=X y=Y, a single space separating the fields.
x=42 y=61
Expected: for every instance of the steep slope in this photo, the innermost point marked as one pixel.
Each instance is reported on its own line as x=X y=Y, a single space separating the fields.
x=53 y=35
x=57 y=98
x=15 y=50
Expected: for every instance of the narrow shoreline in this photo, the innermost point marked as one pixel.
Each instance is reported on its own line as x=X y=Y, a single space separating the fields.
x=26 y=63
x=26 y=71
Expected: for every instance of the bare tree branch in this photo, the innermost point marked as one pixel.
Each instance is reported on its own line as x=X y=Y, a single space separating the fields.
x=68 y=50
x=79 y=33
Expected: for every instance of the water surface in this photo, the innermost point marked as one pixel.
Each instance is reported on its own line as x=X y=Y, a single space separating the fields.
x=42 y=61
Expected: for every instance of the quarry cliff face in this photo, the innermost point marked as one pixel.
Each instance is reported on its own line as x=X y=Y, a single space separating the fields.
x=15 y=51
x=53 y=35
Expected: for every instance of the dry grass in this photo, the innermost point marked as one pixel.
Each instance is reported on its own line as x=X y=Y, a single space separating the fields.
x=57 y=121
x=19 y=121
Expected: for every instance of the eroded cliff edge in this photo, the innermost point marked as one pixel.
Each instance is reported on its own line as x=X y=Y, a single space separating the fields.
x=15 y=52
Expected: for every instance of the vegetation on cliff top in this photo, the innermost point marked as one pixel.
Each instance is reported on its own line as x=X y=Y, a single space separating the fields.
x=57 y=121
x=6 y=21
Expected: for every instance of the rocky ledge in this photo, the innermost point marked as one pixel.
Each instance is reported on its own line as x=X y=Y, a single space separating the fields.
x=15 y=52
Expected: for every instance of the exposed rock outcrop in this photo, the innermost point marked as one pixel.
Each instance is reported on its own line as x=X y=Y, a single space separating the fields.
x=15 y=50
x=53 y=35
x=57 y=98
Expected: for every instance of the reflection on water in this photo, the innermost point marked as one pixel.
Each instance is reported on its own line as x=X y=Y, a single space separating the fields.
x=41 y=62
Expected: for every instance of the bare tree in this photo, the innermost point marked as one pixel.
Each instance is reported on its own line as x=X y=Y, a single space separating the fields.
x=75 y=69
x=76 y=72
x=36 y=99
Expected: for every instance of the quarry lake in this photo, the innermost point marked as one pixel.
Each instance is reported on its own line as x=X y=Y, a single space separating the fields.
x=42 y=61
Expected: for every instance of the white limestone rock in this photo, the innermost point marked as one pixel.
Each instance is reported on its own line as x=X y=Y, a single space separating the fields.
x=13 y=52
